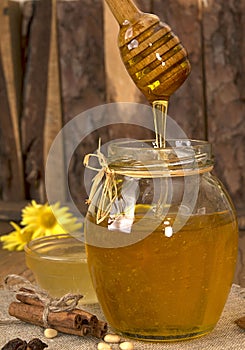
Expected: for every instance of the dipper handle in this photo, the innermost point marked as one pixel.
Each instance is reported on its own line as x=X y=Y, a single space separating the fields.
x=152 y=54
x=124 y=10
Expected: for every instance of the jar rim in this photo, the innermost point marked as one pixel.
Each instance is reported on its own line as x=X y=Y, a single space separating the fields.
x=179 y=155
x=171 y=143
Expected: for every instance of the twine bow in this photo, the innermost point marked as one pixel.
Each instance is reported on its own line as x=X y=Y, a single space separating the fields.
x=24 y=287
x=109 y=191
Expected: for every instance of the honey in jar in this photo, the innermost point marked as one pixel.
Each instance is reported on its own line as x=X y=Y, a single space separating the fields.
x=162 y=241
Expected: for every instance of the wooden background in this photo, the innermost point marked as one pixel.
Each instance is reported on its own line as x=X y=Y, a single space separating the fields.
x=60 y=57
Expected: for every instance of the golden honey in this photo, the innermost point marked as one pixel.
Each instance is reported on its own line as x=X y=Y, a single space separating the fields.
x=59 y=265
x=166 y=287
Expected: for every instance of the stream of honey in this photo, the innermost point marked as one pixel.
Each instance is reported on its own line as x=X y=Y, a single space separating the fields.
x=160 y=110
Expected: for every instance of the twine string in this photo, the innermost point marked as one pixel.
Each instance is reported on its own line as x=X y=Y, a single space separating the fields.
x=109 y=190
x=24 y=287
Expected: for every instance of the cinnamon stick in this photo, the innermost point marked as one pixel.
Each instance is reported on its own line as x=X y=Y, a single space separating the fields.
x=85 y=330
x=86 y=317
x=73 y=319
x=73 y=322
x=28 y=300
x=34 y=314
x=100 y=330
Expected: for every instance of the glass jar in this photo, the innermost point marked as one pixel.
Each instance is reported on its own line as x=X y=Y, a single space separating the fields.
x=161 y=239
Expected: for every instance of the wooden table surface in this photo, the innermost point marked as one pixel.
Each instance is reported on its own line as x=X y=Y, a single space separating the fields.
x=13 y=262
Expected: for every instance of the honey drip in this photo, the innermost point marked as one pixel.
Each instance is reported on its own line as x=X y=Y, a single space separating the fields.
x=160 y=109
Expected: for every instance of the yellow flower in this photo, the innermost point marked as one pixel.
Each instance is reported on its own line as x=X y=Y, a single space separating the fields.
x=17 y=239
x=46 y=220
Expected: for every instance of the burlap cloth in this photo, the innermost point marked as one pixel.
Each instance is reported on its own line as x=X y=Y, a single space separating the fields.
x=226 y=335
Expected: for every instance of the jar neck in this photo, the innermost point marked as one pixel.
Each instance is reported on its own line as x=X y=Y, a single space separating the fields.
x=179 y=158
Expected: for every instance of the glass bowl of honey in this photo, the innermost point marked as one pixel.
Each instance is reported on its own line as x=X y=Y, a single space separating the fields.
x=59 y=265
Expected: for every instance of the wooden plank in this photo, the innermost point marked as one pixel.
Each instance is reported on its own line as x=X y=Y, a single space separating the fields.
x=15 y=17
x=36 y=14
x=2 y=9
x=5 y=227
x=224 y=27
x=10 y=179
x=82 y=72
x=11 y=59
x=13 y=263
x=53 y=114
x=7 y=156
x=187 y=103
x=81 y=48
x=11 y=210
x=10 y=102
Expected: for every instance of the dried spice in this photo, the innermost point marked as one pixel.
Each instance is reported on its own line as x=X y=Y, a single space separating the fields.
x=22 y=346
x=15 y=344
x=36 y=344
x=19 y=344
x=35 y=306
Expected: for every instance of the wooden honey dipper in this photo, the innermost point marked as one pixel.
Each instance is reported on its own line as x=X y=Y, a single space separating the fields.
x=152 y=54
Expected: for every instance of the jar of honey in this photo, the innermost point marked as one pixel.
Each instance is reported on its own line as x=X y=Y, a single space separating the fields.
x=161 y=240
